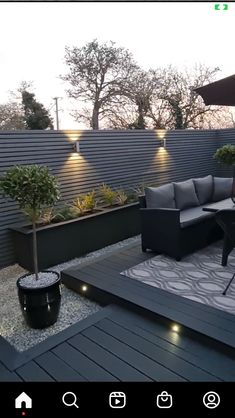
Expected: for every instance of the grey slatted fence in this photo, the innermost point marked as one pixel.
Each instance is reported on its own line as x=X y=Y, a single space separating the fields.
x=118 y=158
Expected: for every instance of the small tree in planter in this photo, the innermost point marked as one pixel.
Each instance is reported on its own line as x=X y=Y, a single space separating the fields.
x=226 y=156
x=33 y=188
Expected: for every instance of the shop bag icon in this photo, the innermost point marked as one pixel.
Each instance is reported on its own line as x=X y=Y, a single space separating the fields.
x=164 y=400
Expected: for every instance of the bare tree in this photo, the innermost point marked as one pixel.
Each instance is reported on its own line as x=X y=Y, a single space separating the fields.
x=131 y=109
x=116 y=93
x=11 y=117
x=97 y=74
x=183 y=108
x=142 y=89
x=165 y=98
x=219 y=119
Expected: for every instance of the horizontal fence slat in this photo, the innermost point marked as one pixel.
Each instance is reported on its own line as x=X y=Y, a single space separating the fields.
x=119 y=158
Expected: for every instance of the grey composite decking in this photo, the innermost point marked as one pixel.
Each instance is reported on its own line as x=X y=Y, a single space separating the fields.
x=133 y=342
x=118 y=345
x=105 y=283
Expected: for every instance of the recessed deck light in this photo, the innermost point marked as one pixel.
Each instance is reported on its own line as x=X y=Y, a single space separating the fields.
x=175 y=328
x=84 y=288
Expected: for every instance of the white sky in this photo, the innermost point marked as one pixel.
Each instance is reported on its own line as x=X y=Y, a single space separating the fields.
x=33 y=37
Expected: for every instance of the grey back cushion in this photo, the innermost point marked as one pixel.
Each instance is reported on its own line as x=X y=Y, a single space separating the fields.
x=160 y=197
x=204 y=189
x=222 y=188
x=185 y=195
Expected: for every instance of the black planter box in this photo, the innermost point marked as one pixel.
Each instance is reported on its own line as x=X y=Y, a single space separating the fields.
x=63 y=241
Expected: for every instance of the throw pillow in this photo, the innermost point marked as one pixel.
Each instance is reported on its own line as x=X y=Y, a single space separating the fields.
x=185 y=194
x=204 y=189
x=160 y=197
x=222 y=188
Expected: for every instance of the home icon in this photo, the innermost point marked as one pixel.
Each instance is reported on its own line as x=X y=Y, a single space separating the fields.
x=23 y=401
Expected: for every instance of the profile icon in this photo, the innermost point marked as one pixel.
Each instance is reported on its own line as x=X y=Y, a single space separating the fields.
x=211 y=400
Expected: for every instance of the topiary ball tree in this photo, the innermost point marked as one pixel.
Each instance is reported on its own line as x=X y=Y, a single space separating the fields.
x=226 y=156
x=33 y=188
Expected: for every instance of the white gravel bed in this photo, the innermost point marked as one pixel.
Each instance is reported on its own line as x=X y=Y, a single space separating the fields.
x=44 y=279
x=74 y=307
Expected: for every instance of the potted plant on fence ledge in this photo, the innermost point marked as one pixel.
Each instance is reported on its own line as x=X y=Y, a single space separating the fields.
x=226 y=156
x=34 y=188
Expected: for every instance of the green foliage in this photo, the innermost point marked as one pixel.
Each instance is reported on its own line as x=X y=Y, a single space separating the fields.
x=139 y=189
x=132 y=197
x=121 y=197
x=226 y=155
x=108 y=195
x=78 y=205
x=32 y=187
x=35 y=114
x=65 y=213
x=85 y=203
x=89 y=201
x=47 y=216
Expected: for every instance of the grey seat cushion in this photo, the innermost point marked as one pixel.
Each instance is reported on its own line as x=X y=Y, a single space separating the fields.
x=221 y=204
x=160 y=197
x=185 y=195
x=193 y=216
x=204 y=189
x=222 y=188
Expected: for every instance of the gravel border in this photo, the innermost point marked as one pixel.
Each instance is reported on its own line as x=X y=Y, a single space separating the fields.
x=74 y=307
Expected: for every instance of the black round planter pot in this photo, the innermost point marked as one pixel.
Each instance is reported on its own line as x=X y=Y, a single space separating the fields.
x=40 y=306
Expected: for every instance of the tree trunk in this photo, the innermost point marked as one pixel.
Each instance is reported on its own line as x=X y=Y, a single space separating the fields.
x=35 y=251
x=177 y=111
x=233 y=171
x=95 y=118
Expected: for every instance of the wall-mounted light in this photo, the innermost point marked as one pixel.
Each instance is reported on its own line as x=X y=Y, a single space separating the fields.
x=162 y=142
x=76 y=146
x=161 y=135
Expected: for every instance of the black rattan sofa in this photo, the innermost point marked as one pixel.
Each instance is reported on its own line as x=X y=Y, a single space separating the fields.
x=172 y=218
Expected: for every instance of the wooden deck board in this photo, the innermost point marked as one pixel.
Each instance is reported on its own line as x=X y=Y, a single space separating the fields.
x=106 y=359
x=7 y=376
x=134 y=358
x=31 y=372
x=88 y=368
x=196 y=351
x=57 y=368
x=180 y=366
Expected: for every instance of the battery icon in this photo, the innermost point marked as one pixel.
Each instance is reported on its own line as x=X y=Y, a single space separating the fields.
x=220 y=6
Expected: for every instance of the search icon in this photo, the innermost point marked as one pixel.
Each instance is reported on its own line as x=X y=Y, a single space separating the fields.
x=71 y=399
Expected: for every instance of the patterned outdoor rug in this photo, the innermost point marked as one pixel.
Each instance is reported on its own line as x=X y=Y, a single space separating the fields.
x=198 y=276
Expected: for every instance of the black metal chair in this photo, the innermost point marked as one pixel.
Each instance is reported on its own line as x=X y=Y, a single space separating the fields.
x=226 y=219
